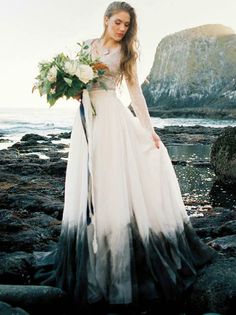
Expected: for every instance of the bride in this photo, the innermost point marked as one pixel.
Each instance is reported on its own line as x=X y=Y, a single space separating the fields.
x=125 y=237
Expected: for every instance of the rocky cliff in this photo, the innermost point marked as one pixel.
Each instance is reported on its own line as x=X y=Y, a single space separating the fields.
x=194 y=69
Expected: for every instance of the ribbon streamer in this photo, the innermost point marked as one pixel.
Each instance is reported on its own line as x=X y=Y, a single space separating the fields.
x=86 y=115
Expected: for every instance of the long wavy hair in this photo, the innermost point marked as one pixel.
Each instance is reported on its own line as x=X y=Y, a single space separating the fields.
x=129 y=43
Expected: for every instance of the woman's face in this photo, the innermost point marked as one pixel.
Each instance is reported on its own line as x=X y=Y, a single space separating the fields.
x=117 y=25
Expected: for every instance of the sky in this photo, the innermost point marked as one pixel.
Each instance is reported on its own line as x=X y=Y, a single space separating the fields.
x=35 y=30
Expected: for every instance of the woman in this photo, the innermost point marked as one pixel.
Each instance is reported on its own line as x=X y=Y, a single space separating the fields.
x=126 y=237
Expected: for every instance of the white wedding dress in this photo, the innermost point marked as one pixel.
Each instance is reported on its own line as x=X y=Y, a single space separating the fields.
x=125 y=234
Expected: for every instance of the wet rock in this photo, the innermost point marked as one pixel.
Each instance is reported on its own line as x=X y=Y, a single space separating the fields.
x=62 y=135
x=223 y=157
x=226 y=244
x=7 y=309
x=10 y=222
x=215 y=288
x=36 y=231
x=31 y=202
x=197 y=134
x=34 y=136
x=227 y=228
x=35 y=299
x=15 y=267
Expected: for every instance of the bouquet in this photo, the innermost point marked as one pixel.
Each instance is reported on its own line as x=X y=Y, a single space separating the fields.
x=65 y=76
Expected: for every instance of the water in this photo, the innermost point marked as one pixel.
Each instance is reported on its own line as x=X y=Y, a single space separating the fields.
x=197 y=183
x=15 y=122
x=179 y=121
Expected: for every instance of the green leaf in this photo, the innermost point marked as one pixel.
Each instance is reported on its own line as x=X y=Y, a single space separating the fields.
x=68 y=81
x=51 y=99
x=101 y=72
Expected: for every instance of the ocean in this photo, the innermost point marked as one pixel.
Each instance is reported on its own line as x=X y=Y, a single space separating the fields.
x=15 y=122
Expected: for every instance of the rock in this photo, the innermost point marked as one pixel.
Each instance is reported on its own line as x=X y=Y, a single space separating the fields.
x=16 y=267
x=26 y=231
x=31 y=201
x=215 y=288
x=217 y=217
x=10 y=222
x=223 y=157
x=29 y=240
x=8 y=154
x=35 y=299
x=227 y=228
x=35 y=143
x=62 y=135
x=188 y=134
x=7 y=309
x=24 y=168
x=34 y=136
x=213 y=220
x=193 y=74
x=57 y=168
x=35 y=233
x=225 y=244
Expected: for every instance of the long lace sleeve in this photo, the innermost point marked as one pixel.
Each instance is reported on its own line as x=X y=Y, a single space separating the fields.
x=138 y=102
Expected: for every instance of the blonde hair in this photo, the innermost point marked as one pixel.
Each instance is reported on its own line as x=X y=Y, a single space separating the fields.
x=129 y=43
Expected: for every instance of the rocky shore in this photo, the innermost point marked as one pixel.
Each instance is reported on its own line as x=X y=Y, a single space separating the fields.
x=31 y=205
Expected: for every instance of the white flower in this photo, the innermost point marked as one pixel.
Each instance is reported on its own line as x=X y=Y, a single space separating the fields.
x=85 y=73
x=71 y=67
x=53 y=91
x=52 y=74
x=78 y=72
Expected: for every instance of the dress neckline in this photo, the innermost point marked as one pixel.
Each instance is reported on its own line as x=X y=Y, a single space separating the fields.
x=113 y=51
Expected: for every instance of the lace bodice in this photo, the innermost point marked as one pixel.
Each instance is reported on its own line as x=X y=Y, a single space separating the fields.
x=112 y=60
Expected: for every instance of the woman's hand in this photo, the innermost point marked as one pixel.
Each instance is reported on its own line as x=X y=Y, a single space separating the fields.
x=156 y=139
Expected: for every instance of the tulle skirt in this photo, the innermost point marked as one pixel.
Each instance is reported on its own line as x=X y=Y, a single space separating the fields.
x=125 y=235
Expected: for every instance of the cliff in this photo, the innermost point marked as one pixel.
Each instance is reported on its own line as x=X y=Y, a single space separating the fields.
x=194 y=69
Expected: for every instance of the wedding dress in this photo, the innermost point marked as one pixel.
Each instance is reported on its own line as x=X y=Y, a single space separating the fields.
x=125 y=234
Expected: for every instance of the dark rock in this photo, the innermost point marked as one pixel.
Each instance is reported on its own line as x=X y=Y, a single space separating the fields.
x=64 y=135
x=31 y=202
x=15 y=267
x=57 y=168
x=7 y=309
x=35 y=299
x=24 y=168
x=215 y=288
x=10 y=222
x=176 y=162
x=215 y=218
x=188 y=134
x=223 y=157
x=226 y=244
x=8 y=154
x=201 y=164
x=27 y=240
x=34 y=136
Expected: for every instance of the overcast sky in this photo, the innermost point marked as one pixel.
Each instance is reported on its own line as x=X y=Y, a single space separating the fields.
x=33 y=30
